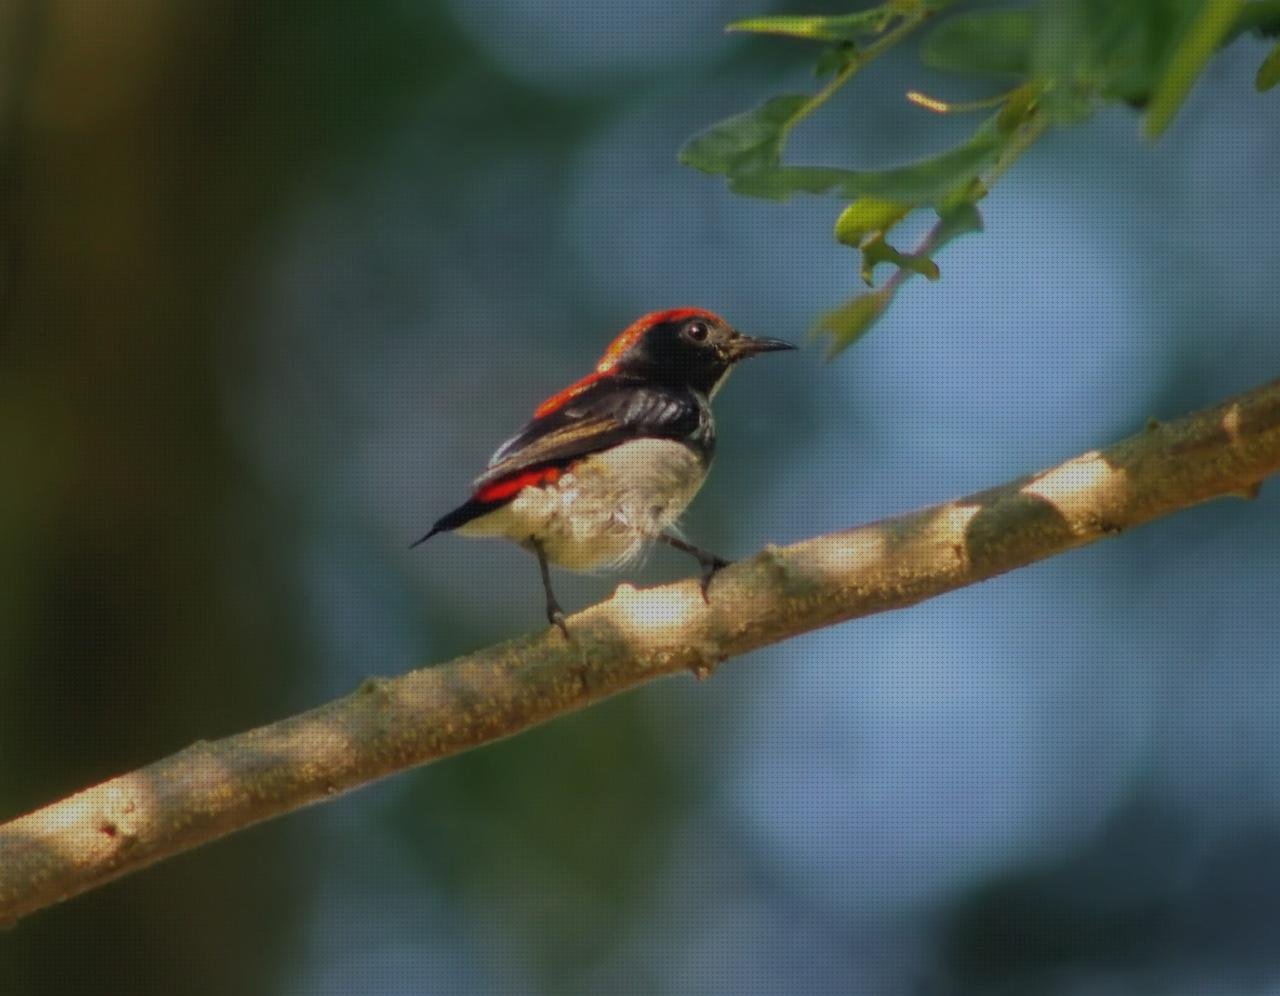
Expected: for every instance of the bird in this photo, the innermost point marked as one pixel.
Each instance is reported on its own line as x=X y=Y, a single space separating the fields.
x=606 y=466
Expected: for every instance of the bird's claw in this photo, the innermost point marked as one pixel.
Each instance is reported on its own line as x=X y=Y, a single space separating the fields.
x=556 y=618
x=709 y=569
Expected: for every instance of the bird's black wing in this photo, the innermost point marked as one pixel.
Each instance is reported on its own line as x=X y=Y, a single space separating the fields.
x=602 y=416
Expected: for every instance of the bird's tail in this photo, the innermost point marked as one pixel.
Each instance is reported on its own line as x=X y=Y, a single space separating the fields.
x=460 y=516
x=419 y=542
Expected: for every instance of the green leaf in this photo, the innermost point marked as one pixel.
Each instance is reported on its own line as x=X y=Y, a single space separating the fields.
x=1262 y=17
x=1201 y=40
x=834 y=60
x=1066 y=107
x=1086 y=49
x=745 y=148
x=1063 y=48
x=1269 y=72
x=994 y=42
x=924 y=182
x=867 y=215
x=747 y=142
x=960 y=220
x=844 y=28
x=846 y=324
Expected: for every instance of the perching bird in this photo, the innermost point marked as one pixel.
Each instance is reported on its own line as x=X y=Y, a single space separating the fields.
x=608 y=465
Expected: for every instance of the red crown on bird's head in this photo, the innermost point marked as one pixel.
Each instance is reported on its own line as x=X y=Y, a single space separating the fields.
x=625 y=339
x=633 y=332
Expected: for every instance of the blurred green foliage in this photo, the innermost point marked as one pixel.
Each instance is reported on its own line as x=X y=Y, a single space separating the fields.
x=1269 y=71
x=1058 y=60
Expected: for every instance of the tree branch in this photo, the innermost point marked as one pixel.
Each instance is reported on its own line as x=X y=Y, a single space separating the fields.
x=388 y=724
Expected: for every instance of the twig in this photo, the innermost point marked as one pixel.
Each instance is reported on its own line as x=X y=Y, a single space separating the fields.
x=387 y=725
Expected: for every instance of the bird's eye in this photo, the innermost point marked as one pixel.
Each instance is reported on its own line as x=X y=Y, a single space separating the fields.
x=697 y=331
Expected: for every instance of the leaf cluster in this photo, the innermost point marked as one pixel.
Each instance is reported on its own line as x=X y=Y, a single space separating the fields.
x=1052 y=62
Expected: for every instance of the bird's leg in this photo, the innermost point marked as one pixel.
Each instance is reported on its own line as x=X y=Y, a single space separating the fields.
x=555 y=615
x=708 y=561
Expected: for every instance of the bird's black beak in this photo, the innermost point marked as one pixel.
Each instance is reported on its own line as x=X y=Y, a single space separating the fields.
x=744 y=345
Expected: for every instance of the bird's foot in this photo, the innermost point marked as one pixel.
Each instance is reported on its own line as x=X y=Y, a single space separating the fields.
x=555 y=616
x=710 y=565
x=708 y=561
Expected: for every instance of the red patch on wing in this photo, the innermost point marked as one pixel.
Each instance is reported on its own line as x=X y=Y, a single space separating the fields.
x=509 y=486
x=625 y=340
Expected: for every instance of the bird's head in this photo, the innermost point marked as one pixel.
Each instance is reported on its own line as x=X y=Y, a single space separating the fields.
x=682 y=347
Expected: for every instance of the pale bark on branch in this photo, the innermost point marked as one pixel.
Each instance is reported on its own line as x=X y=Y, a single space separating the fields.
x=388 y=724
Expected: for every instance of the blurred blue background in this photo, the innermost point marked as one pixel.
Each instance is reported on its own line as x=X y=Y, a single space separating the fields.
x=278 y=279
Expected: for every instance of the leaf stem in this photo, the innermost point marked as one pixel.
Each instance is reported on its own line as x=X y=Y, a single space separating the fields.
x=857 y=59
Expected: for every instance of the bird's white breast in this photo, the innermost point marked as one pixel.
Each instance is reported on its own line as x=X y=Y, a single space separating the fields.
x=604 y=510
